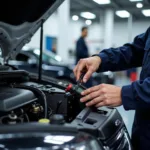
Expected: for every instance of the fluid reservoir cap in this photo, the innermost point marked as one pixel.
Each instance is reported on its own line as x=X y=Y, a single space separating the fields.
x=57 y=119
x=44 y=121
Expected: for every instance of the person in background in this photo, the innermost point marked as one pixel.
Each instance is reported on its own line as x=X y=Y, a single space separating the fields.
x=81 y=47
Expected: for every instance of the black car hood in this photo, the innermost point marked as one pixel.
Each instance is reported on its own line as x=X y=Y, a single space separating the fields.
x=19 y=20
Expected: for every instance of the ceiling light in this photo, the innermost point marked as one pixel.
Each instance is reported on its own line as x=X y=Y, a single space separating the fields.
x=146 y=12
x=123 y=14
x=88 y=15
x=135 y=0
x=88 y=22
x=75 y=18
x=101 y=2
x=139 y=5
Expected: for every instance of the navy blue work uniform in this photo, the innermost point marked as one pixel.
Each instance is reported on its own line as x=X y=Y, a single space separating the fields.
x=81 y=50
x=137 y=95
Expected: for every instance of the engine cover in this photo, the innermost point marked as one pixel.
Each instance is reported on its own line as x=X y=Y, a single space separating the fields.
x=13 y=98
x=23 y=97
x=55 y=97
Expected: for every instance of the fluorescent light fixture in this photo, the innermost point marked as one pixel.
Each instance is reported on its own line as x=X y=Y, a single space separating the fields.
x=123 y=14
x=139 y=5
x=102 y=2
x=88 y=22
x=146 y=12
x=75 y=18
x=88 y=15
x=135 y=0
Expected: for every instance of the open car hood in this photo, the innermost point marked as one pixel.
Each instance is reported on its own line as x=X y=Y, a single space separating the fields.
x=19 y=20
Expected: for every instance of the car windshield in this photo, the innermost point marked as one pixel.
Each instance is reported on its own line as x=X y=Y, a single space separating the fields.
x=51 y=58
x=48 y=56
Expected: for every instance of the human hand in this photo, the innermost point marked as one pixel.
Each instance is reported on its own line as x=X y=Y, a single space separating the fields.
x=88 y=65
x=102 y=95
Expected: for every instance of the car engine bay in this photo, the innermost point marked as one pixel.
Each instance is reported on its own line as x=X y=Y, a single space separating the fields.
x=26 y=100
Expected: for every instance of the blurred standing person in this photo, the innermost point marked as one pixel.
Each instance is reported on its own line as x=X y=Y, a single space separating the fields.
x=81 y=46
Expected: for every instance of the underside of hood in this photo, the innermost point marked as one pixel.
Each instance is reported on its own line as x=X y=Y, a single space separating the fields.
x=19 y=20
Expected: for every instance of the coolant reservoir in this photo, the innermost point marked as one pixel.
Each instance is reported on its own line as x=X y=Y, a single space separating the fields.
x=44 y=120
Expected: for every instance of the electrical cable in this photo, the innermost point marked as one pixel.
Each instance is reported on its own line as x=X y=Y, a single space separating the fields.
x=58 y=106
x=27 y=117
x=50 y=111
x=34 y=89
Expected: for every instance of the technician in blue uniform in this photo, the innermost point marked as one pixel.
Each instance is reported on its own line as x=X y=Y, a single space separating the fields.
x=81 y=47
x=135 y=96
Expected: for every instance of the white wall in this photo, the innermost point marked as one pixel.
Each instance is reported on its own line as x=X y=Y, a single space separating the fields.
x=121 y=31
x=63 y=30
x=95 y=38
x=50 y=28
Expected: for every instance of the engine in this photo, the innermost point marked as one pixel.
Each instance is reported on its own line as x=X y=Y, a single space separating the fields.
x=25 y=99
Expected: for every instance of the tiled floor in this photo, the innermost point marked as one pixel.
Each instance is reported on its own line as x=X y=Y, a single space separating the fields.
x=128 y=116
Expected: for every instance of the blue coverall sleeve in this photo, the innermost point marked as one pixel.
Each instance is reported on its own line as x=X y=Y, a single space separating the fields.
x=136 y=95
x=128 y=56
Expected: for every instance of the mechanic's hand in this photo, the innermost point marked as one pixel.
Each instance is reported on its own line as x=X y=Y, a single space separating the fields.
x=102 y=95
x=88 y=65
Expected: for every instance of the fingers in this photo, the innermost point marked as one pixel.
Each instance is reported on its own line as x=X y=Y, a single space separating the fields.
x=75 y=71
x=79 y=68
x=102 y=95
x=90 y=96
x=96 y=96
x=90 y=71
x=87 y=75
x=84 y=65
x=95 y=101
x=101 y=104
x=90 y=90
